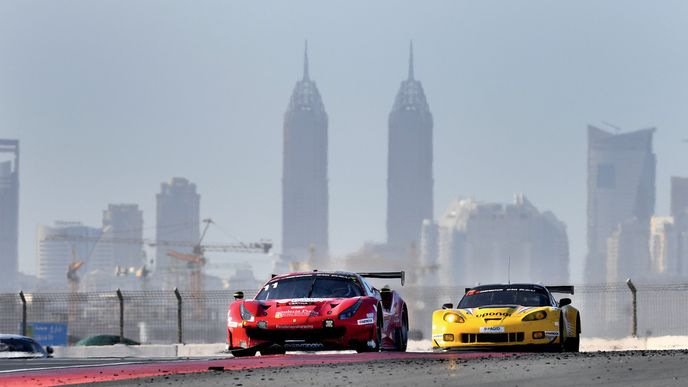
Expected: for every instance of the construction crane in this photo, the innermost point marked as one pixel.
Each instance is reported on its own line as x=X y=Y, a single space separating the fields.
x=73 y=279
x=195 y=261
x=72 y=275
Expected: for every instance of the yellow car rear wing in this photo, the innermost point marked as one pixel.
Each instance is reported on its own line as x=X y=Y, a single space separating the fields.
x=567 y=289
x=560 y=289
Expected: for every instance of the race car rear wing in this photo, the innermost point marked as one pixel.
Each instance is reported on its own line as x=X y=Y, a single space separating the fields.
x=560 y=289
x=386 y=274
x=552 y=289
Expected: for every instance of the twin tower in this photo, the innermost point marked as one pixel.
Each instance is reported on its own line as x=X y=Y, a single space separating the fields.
x=305 y=180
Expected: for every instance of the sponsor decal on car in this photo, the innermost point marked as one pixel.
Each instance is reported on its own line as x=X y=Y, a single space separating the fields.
x=306 y=301
x=232 y=324
x=552 y=333
x=366 y=321
x=496 y=314
x=492 y=329
x=296 y=313
x=294 y=326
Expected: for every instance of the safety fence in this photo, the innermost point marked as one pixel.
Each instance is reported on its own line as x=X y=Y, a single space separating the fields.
x=165 y=317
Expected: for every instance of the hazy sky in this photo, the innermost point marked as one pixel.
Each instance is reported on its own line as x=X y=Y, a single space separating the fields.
x=111 y=98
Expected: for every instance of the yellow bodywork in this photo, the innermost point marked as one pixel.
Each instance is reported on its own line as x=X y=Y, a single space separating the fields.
x=503 y=326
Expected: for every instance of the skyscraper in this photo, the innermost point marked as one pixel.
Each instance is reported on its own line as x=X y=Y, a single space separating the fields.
x=55 y=252
x=304 y=176
x=178 y=220
x=478 y=242
x=9 y=213
x=679 y=212
x=679 y=199
x=409 y=164
x=124 y=222
x=621 y=201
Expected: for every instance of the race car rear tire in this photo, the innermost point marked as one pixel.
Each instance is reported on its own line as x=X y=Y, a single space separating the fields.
x=401 y=335
x=243 y=352
x=562 y=336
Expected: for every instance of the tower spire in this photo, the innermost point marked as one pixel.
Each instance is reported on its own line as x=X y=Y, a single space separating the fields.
x=305 y=63
x=410 y=75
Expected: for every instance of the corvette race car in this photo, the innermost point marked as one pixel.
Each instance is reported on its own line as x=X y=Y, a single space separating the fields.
x=513 y=315
x=318 y=311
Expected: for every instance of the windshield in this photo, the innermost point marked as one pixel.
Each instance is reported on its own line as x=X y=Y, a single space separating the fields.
x=311 y=286
x=504 y=296
x=19 y=345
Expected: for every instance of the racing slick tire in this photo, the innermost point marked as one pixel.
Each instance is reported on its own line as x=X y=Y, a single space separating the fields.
x=378 y=338
x=401 y=335
x=573 y=344
x=245 y=352
x=562 y=337
x=273 y=350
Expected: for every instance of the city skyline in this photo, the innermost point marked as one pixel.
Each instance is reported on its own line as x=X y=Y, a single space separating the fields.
x=106 y=121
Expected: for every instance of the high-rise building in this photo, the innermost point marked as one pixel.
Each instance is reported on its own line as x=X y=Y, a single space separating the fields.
x=679 y=199
x=304 y=177
x=178 y=220
x=124 y=224
x=679 y=212
x=621 y=191
x=9 y=213
x=663 y=245
x=490 y=242
x=68 y=242
x=409 y=164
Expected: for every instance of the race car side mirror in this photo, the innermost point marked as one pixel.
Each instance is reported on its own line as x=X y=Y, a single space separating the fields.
x=447 y=306
x=564 y=302
x=49 y=350
x=239 y=295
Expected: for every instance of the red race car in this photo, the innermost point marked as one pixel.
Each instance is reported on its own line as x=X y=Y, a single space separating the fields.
x=318 y=311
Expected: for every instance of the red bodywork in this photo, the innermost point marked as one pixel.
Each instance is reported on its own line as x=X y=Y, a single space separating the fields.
x=316 y=323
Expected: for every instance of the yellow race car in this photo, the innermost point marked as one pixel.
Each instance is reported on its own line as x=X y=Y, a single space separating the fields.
x=519 y=316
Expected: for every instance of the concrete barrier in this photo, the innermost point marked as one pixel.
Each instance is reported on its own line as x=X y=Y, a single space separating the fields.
x=142 y=351
x=217 y=349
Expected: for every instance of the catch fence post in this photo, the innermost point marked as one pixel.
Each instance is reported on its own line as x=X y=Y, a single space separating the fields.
x=634 y=292
x=121 y=315
x=23 y=300
x=179 y=315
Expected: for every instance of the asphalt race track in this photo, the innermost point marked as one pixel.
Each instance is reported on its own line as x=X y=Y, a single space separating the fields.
x=629 y=368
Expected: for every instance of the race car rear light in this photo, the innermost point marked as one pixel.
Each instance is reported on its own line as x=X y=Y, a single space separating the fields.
x=539 y=315
x=351 y=311
x=539 y=335
x=453 y=318
x=245 y=314
x=448 y=337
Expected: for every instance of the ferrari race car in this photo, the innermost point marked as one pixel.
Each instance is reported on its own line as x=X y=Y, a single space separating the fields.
x=318 y=311
x=513 y=315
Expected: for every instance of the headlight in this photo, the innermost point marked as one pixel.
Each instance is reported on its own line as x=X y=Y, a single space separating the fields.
x=351 y=311
x=453 y=318
x=539 y=315
x=245 y=314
